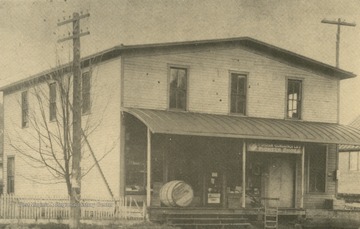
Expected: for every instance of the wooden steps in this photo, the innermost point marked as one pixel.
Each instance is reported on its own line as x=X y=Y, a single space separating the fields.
x=271 y=214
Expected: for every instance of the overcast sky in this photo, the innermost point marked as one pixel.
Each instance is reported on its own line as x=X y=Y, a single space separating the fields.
x=29 y=31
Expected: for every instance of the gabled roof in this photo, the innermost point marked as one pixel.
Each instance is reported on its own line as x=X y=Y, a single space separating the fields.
x=248 y=43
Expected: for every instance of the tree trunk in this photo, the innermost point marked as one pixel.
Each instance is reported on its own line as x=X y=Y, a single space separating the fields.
x=75 y=209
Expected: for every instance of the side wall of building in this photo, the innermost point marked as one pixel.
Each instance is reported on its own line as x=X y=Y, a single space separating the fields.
x=102 y=125
x=146 y=82
x=349 y=179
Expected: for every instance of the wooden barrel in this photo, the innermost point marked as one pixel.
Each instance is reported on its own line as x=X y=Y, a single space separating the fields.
x=176 y=194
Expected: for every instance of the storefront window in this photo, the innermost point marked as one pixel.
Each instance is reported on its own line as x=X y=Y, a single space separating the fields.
x=316 y=158
x=135 y=155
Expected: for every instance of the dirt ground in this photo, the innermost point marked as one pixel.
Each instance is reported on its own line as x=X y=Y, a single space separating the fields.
x=149 y=225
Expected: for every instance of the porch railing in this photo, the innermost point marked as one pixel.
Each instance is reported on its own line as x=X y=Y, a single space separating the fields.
x=26 y=207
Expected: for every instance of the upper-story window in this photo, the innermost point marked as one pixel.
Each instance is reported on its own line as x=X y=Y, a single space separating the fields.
x=24 y=109
x=85 y=93
x=52 y=101
x=178 y=88
x=294 y=89
x=238 y=93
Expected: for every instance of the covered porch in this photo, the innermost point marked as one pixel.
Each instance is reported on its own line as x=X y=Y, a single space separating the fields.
x=231 y=162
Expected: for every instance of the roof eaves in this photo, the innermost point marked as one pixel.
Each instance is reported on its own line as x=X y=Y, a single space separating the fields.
x=64 y=68
x=290 y=56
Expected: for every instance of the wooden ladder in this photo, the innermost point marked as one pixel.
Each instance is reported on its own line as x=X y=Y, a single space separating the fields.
x=271 y=213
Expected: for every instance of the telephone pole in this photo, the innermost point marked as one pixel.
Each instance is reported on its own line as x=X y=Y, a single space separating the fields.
x=75 y=196
x=338 y=23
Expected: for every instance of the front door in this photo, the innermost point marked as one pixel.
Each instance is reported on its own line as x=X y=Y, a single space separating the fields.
x=281 y=180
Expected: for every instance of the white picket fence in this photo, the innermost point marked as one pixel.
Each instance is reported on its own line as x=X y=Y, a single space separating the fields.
x=21 y=207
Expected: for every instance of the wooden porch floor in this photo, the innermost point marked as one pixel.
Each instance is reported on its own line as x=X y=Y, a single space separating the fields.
x=161 y=213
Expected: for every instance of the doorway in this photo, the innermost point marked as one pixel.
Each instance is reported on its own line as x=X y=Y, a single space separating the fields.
x=272 y=176
x=281 y=180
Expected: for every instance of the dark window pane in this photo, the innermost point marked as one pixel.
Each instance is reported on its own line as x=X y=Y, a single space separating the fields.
x=234 y=84
x=173 y=78
x=178 y=88
x=238 y=93
x=24 y=109
x=233 y=104
x=182 y=99
x=10 y=175
x=52 y=92
x=52 y=111
x=182 y=79
x=241 y=86
x=86 y=87
x=317 y=168
x=52 y=102
x=241 y=107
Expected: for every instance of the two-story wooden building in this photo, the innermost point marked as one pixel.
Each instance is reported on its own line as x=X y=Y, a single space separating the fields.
x=235 y=119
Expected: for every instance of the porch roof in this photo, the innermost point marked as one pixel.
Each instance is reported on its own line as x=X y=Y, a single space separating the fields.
x=200 y=124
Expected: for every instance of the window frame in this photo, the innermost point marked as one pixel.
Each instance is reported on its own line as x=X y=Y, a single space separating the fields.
x=24 y=109
x=88 y=92
x=246 y=76
x=286 y=107
x=10 y=189
x=357 y=161
x=177 y=66
x=52 y=102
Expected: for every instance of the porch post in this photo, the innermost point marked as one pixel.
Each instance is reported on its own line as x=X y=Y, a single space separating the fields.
x=122 y=157
x=243 y=174
x=148 y=167
x=302 y=176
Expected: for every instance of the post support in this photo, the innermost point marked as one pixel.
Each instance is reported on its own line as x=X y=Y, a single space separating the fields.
x=243 y=175
x=148 y=169
x=302 y=176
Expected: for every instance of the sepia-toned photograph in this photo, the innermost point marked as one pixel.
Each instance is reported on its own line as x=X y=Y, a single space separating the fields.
x=179 y=114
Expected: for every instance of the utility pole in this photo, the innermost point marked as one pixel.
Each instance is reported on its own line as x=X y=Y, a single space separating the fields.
x=338 y=23
x=75 y=197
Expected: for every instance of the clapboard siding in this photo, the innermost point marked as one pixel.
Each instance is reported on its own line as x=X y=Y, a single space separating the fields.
x=349 y=180
x=315 y=201
x=103 y=122
x=26 y=177
x=146 y=82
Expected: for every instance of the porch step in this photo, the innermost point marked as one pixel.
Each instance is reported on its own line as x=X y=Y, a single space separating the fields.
x=271 y=218
x=208 y=220
x=271 y=213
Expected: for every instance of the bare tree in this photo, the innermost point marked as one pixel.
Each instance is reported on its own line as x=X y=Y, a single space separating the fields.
x=48 y=143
